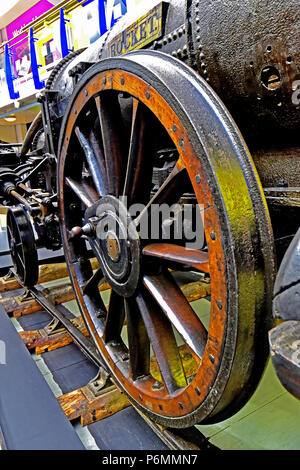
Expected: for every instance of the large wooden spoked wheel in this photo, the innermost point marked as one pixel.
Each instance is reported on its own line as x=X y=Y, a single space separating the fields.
x=124 y=112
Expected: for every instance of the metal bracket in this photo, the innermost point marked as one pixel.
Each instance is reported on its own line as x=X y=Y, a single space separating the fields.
x=58 y=108
x=51 y=95
x=97 y=384
x=9 y=75
x=44 y=98
x=55 y=326
x=34 y=65
x=10 y=275
x=78 y=70
x=63 y=34
x=25 y=296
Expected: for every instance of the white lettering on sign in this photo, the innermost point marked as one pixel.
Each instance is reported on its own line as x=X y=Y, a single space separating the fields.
x=23 y=66
x=114 y=9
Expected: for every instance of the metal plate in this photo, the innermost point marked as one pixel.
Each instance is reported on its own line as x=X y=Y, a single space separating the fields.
x=145 y=30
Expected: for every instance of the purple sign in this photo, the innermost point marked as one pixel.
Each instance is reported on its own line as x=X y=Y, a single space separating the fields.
x=14 y=28
x=20 y=59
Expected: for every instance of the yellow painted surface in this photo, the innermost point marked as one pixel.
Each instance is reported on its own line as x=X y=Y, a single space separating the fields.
x=139 y=34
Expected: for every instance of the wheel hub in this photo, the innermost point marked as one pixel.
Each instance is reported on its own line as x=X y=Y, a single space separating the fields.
x=116 y=244
x=113 y=248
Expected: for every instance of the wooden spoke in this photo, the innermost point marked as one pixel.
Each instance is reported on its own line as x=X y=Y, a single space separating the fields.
x=94 y=281
x=169 y=192
x=115 y=318
x=138 y=175
x=97 y=148
x=113 y=141
x=83 y=191
x=93 y=164
x=133 y=150
x=87 y=280
x=179 y=254
x=163 y=341
x=178 y=310
x=138 y=341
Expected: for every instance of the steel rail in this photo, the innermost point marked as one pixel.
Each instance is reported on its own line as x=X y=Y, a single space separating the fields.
x=59 y=312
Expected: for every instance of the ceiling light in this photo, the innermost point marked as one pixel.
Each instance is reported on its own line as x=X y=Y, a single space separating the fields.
x=10 y=118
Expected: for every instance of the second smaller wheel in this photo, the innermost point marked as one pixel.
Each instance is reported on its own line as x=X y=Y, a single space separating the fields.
x=22 y=246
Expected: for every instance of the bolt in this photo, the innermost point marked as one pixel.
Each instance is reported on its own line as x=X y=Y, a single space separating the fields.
x=74 y=207
x=75 y=232
x=157 y=385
